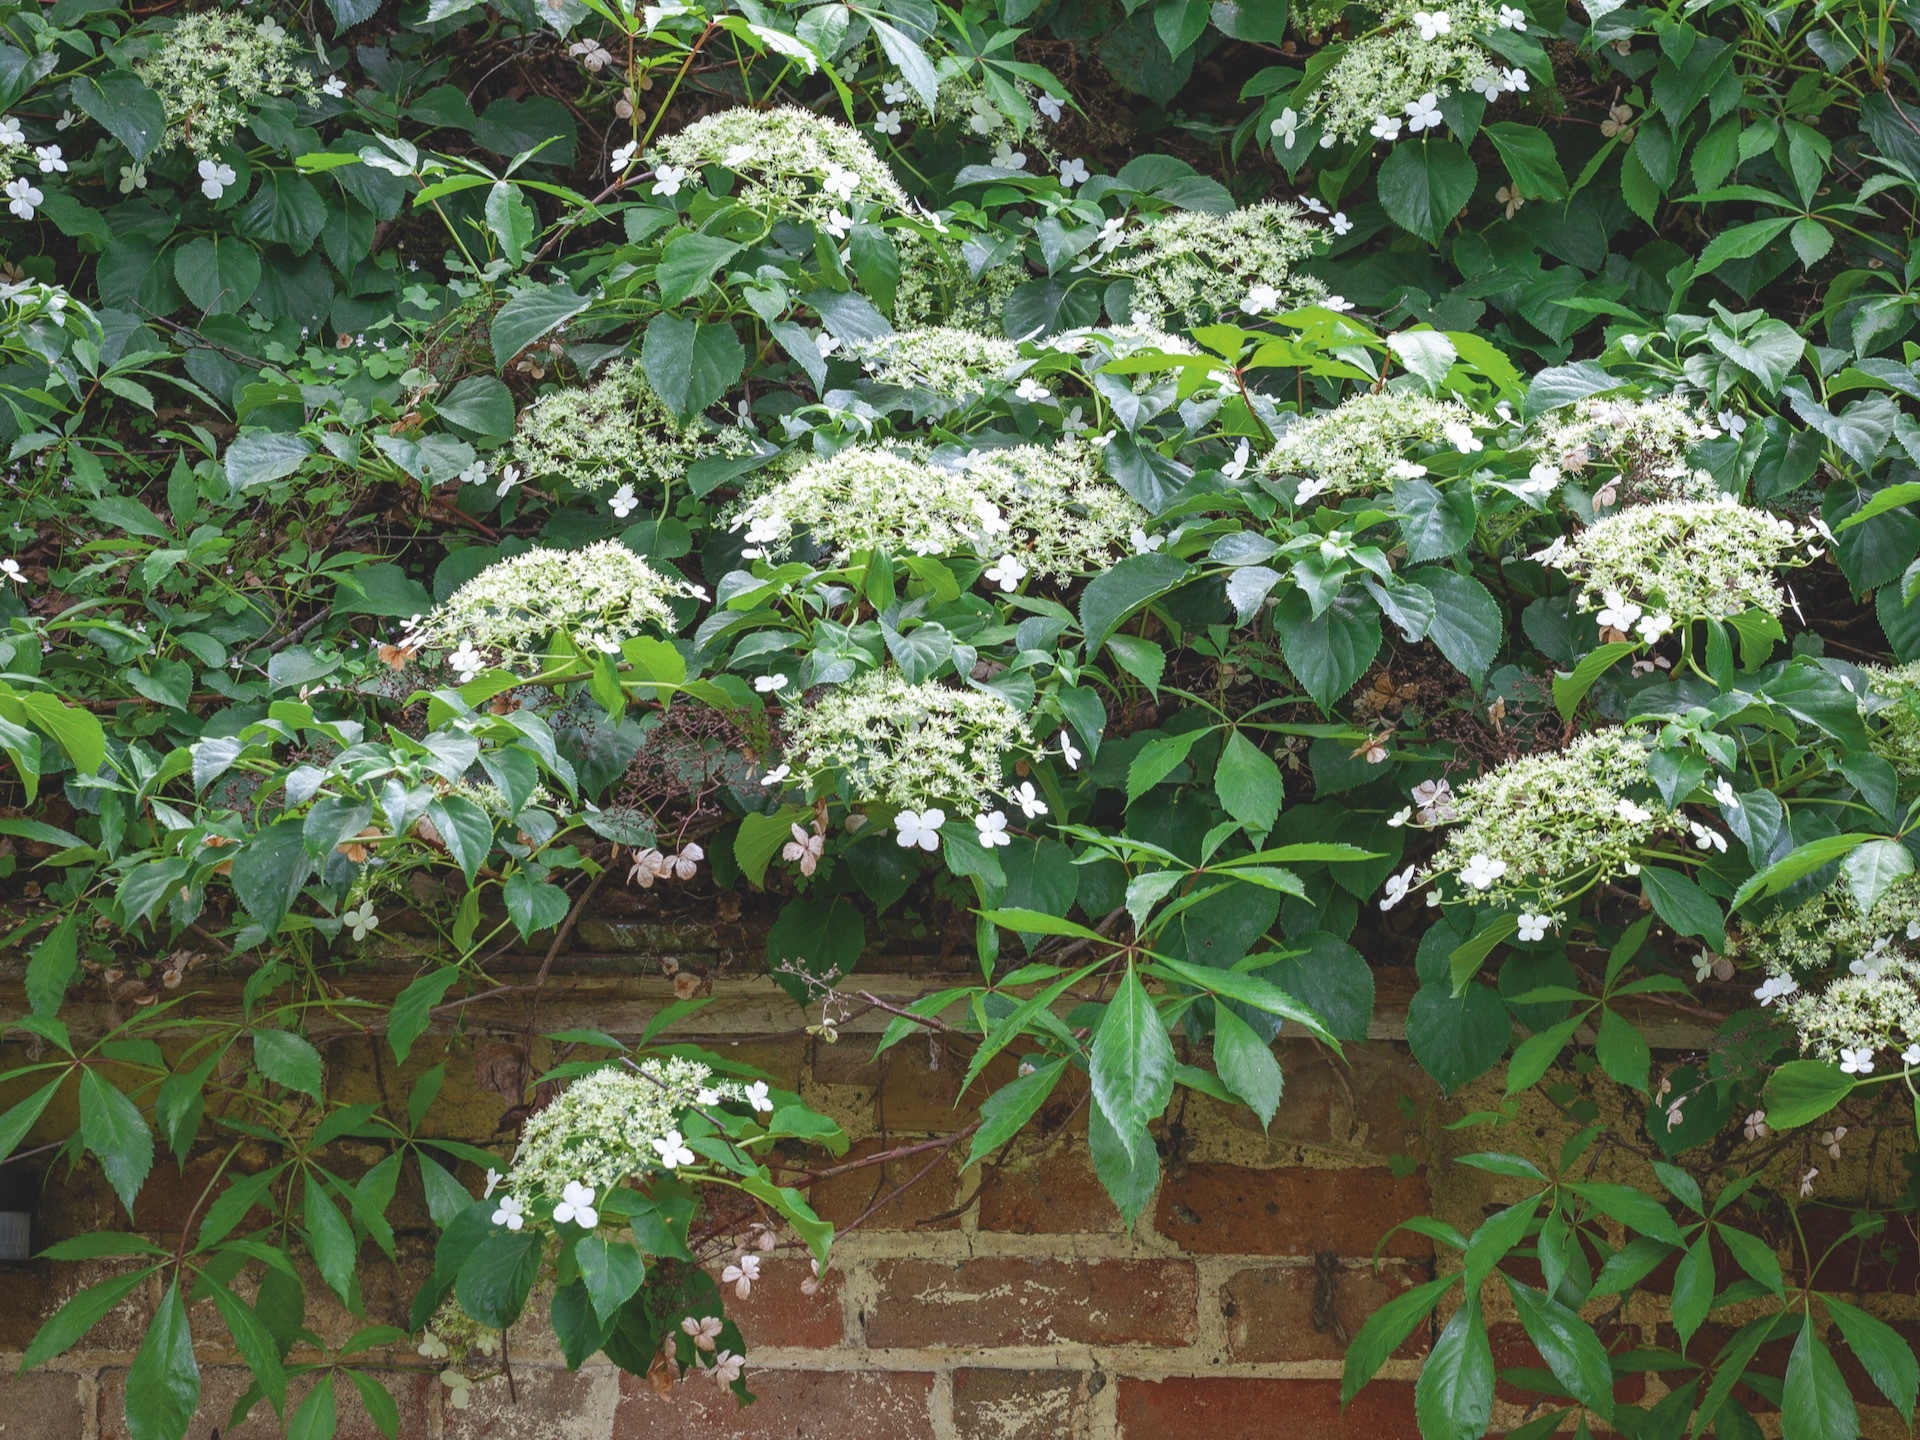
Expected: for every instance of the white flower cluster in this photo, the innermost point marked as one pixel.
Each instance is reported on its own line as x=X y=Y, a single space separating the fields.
x=1829 y=932
x=945 y=359
x=1859 y=1016
x=1643 y=442
x=1366 y=440
x=612 y=1126
x=1544 y=826
x=1393 y=79
x=1653 y=566
x=938 y=286
x=886 y=740
x=616 y=432
x=1192 y=266
x=599 y=596
x=1895 y=704
x=1047 y=508
x=213 y=66
x=790 y=162
x=17 y=168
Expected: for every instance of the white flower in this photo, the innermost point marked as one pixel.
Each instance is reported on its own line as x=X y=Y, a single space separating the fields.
x=895 y=93
x=624 y=502
x=494 y=1177
x=992 y=825
x=741 y=1274
x=704 y=1331
x=1433 y=26
x=1069 y=751
x=1724 y=796
x=1513 y=79
x=1028 y=799
x=215 y=177
x=1703 y=964
x=727 y=1365
x=1543 y=479
x=623 y=155
x=10 y=131
x=474 y=474
x=510 y=1212
x=1618 y=613
x=1510 y=18
x=992 y=521
x=1488 y=84
x=1387 y=127
x=1400 y=817
x=1775 y=987
x=1806 y=1183
x=758 y=1098
x=1733 y=422
x=767 y=684
x=667 y=179
x=1286 y=128
x=919 y=827
x=1073 y=172
x=362 y=921
x=334 y=86
x=1652 y=627
x=1755 y=1127
x=132 y=177
x=673 y=1150
x=1048 y=106
x=1423 y=113
x=1460 y=435
x=271 y=30
x=1318 y=207
x=1261 y=300
x=1632 y=813
x=1340 y=223
x=50 y=159
x=1143 y=543
x=1707 y=838
x=22 y=197
x=1007 y=574
x=1910 y=1055
x=1398 y=886
x=1533 y=926
x=1856 y=1062
x=576 y=1205
x=837 y=224
x=841 y=182
x=1032 y=391
x=887 y=122
x=467 y=662
x=1481 y=870
x=1832 y=1138
x=1008 y=158
x=509 y=477
x=11 y=569
x=804 y=850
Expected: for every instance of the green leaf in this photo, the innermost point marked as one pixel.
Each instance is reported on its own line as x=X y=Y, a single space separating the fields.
x=1248 y=990
x=218 y=273
x=330 y=1238
x=1571 y=687
x=1886 y=1357
x=1435 y=523
x=1115 y=594
x=760 y=838
x=1249 y=784
x=1131 y=1063
x=1530 y=159
x=51 y=966
x=163 y=1383
x=1872 y=869
x=480 y=405
x=1797 y=864
x=511 y=220
x=1422 y=185
x=68 y=1325
x=1801 y=1091
x=258 y=457
x=112 y=1127
x=125 y=108
x=686 y=264
x=690 y=365
x=1129 y=1167
x=1004 y=1112
x=1329 y=652
x=412 y=1009
x=529 y=315
x=270 y=870
x=1815 y=1404
x=1687 y=908
x=1739 y=243
x=1567 y=1343
x=288 y=1059
x=1453 y=1399
x=1246 y=1064
x=1631 y=1207
x=1385 y=1330
x=254 y=1342
x=613 y=1271
x=1467 y=624
x=318 y=1414
x=1623 y=1050
x=466 y=829
x=533 y=905
x=1457 y=1038
x=1692 y=1289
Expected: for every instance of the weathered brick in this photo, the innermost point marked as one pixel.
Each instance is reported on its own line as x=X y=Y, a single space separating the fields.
x=1513 y=1351
x=844 y=1198
x=1358 y=1105
x=222 y=1385
x=1020 y=1404
x=1230 y=1210
x=910 y=1095
x=791 y=1405
x=43 y=1405
x=1270 y=1310
x=1219 y=1408
x=776 y=1313
x=544 y=1404
x=1014 y=1301
x=1052 y=1193
x=29 y=1294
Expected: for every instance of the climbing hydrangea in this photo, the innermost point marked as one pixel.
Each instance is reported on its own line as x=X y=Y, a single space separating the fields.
x=1193 y=266
x=790 y=162
x=213 y=67
x=937 y=285
x=1045 y=505
x=1644 y=442
x=1682 y=560
x=1896 y=692
x=1544 y=826
x=943 y=358
x=1858 y=1017
x=1388 y=72
x=1367 y=440
x=888 y=740
x=599 y=596
x=616 y=431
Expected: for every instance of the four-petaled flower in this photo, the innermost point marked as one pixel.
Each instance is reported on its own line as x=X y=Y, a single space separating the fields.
x=992 y=825
x=741 y=1274
x=704 y=1330
x=132 y=177
x=11 y=569
x=510 y=1212
x=804 y=850
x=22 y=197
x=758 y=1098
x=1509 y=18
x=334 y=86
x=362 y=921
x=624 y=502
x=1048 y=106
x=576 y=1206
x=50 y=159
x=1028 y=799
x=1069 y=751
x=1856 y=1062
x=1619 y=613
x=1489 y=85
x=767 y=684
x=1533 y=926
x=1775 y=987
x=1633 y=813
x=919 y=827
x=777 y=775
x=667 y=179
x=1397 y=887
x=727 y=1367
x=1481 y=870
x=1143 y=543
x=887 y=122
x=1423 y=113
x=673 y=1150
x=1073 y=172
x=1705 y=837
x=1340 y=223
x=215 y=177
x=466 y=662
x=1261 y=300
x=1386 y=127
x=1460 y=435
x=1032 y=391
x=1911 y=1055
x=1007 y=574
x=1286 y=128
x=1433 y=26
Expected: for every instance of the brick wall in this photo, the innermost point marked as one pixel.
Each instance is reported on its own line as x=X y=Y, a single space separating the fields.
x=1004 y=1302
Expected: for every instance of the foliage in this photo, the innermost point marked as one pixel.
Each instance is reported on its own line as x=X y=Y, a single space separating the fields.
x=1130 y=568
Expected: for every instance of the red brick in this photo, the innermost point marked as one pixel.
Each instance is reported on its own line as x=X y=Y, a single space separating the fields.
x=221 y=1385
x=544 y=1404
x=1228 y=1210
x=909 y=1094
x=791 y=1405
x=1269 y=1311
x=1006 y=1301
x=1887 y=1263
x=845 y=1198
x=1222 y=1409
x=42 y=1405
x=29 y=1294
x=1512 y=1350
x=1352 y=1105
x=776 y=1313
x=1019 y=1404
x=1052 y=1193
